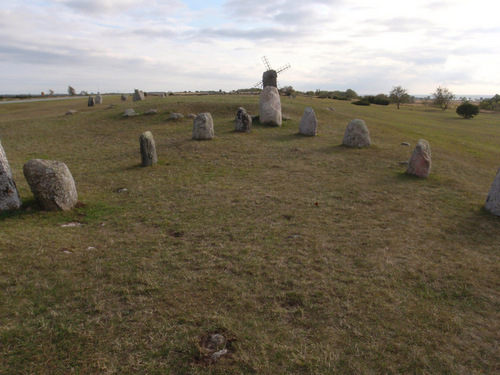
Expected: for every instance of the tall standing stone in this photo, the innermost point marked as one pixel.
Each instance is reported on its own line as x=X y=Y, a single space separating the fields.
x=138 y=95
x=98 y=99
x=148 y=149
x=91 y=102
x=270 y=78
x=243 y=121
x=420 y=161
x=493 y=200
x=51 y=183
x=356 y=134
x=270 y=107
x=308 y=124
x=9 y=196
x=124 y=97
x=203 y=127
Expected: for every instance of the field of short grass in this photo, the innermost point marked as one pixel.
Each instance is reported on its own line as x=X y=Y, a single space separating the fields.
x=310 y=258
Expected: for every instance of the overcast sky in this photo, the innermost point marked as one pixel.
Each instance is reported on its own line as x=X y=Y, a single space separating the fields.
x=176 y=45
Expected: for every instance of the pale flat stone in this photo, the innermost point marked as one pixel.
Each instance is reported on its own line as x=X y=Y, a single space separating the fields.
x=420 y=161
x=308 y=124
x=356 y=134
x=203 y=127
x=129 y=112
x=493 y=200
x=270 y=107
x=51 y=183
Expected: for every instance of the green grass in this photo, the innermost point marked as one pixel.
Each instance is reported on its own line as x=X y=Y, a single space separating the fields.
x=311 y=258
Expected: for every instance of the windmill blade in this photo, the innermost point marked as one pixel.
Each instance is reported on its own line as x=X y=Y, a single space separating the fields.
x=283 y=68
x=266 y=62
x=257 y=85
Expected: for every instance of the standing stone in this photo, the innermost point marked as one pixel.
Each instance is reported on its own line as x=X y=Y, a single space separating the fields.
x=270 y=107
x=356 y=134
x=270 y=78
x=138 y=95
x=420 y=161
x=51 y=183
x=308 y=124
x=98 y=99
x=493 y=200
x=124 y=98
x=243 y=121
x=9 y=196
x=90 y=102
x=203 y=126
x=148 y=149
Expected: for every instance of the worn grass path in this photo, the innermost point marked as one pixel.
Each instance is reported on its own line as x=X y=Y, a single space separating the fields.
x=309 y=257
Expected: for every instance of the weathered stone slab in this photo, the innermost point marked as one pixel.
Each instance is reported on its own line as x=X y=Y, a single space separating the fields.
x=356 y=134
x=98 y=99
x=51 y=183
x=148 y=149
x=9 y=196
x=270 y=107
x=308 y=124
x=493 y=200
x=203 y=127
x=243 y=121
x=138 y=95
x=91 y=102
x=420 y=161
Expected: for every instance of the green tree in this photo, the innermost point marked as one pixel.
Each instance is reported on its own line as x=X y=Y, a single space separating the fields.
x=467 y=110
x=443 y=97
x=399 y=95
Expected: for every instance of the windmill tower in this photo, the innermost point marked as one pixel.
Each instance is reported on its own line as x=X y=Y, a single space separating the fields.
x=270 y=76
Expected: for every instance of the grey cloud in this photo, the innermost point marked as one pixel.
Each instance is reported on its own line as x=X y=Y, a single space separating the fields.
x=260 y=33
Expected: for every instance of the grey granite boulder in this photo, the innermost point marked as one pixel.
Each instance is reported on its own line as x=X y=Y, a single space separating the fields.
x=203 y=127
x=243 y=121
x=51 y=183
x=493 y=200
x=356 y=134
x=124 y=97
x=90 y=102
x=138 y=95
x=148 y=149
x=270 y=107
x=129 y=112
x=175 y=116
x=151 y=111
x=308 y=124
x=98 y=99
x=9 y=196
x=420 y=161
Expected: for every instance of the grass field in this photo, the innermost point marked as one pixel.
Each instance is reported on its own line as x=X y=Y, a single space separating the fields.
x=310 y=258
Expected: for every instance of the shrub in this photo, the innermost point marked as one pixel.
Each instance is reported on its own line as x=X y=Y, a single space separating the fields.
x=467 y=110
x=361 y=102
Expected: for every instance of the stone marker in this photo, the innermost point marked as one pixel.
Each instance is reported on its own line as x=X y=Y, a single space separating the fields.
x=90 y=102
x=51 y=183
x=129 y=112
x=98 y=99
x=203 y=127
x=148 y=149
x=270 y=78
x=308 y=124
x=175 y=116
x=270 y=107
x=71 y=112
x=124 y=97
x=356 y=134
x=9 y=196
x=138 y=95
x=420 y=161
x=243 y=121
x=493 y=200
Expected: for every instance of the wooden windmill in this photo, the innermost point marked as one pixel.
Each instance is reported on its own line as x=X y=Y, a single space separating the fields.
x=270 y=76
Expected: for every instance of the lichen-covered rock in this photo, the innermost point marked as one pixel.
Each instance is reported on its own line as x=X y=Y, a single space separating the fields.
x=51 y=183
x=270 y=107
x=138 y=95
x=308 y=124
x=420 y=161
x=9 y=196
x=243 y=121
x=356 y=134
x=493 y=200
x=203 y=127
x=148 y=149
